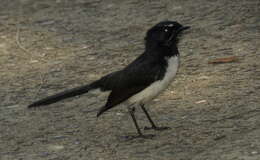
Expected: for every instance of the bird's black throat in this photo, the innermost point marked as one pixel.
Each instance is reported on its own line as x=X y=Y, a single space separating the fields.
x=161 y=50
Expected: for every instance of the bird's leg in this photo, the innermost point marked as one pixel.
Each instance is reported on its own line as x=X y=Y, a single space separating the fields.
x=151 y=121
x=131 y=111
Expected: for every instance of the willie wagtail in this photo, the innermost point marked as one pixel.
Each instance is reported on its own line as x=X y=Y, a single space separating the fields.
x=142 y=80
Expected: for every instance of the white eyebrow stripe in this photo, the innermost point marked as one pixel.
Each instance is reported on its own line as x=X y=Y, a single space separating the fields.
x=169 y=25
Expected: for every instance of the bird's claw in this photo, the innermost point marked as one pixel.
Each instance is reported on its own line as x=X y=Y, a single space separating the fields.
x=157 y=128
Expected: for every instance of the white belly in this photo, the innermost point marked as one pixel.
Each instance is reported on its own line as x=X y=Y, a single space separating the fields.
x=157 y=87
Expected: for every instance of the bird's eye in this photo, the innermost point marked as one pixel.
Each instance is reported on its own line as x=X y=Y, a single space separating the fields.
x=166 y=30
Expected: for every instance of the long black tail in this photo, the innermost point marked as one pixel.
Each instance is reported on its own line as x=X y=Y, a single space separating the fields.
x=65 y=94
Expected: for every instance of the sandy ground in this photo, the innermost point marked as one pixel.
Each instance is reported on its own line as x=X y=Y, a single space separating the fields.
x=52 y=45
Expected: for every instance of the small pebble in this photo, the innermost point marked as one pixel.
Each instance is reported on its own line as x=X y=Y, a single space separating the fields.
x=56 y=147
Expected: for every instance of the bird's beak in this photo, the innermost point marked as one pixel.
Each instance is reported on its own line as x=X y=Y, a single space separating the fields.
x=183 y=28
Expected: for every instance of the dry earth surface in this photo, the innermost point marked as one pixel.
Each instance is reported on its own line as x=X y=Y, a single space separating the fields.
x=49 y=46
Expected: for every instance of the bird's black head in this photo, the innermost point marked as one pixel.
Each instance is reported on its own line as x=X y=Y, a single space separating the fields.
x=164 y=33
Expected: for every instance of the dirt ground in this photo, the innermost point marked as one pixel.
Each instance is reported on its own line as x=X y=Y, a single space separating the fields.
x=49 y=46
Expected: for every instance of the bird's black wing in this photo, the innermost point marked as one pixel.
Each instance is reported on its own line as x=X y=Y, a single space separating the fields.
x=134 y=78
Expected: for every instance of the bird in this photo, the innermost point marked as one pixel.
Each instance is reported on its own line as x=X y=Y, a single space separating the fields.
x=142 y=80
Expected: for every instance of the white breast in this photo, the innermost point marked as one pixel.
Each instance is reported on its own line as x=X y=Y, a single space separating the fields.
x=157 y=87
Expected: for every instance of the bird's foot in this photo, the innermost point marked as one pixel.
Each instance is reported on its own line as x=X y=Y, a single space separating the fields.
x=141 y=136
x=147 y=136
x=157 y=128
